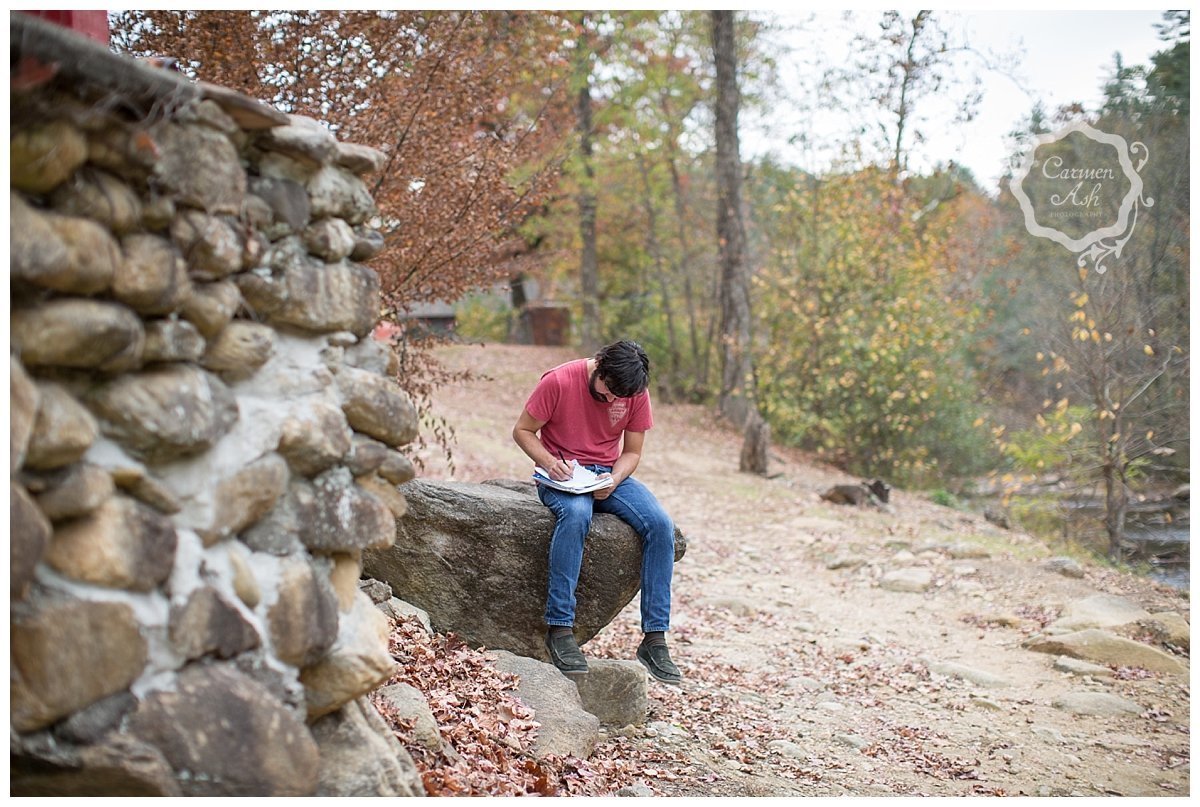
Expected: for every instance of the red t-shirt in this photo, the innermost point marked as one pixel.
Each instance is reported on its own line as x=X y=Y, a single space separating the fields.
x=578 y=425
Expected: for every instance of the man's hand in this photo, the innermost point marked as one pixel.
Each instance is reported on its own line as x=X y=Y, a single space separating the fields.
x=560 y=470
x=603 y=493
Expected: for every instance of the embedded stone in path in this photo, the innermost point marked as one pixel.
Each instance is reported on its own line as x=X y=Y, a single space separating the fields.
x=912 y=579
x=1100 y=704
x=1097 y=611
x=955 y=670
x=1067 y=567
x=1169 y=628
x=1105 y=648
x=789 y=749
x=845 y=561
x=960 y=550
x=1076 y=666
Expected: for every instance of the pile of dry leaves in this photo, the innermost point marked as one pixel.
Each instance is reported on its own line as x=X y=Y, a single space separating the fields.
x=487 y=733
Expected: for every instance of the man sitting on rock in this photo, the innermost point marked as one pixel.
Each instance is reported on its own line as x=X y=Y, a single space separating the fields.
x=582 y=410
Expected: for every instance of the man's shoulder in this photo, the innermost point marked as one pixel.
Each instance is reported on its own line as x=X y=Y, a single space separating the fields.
x=564 y=373
x=565 y=368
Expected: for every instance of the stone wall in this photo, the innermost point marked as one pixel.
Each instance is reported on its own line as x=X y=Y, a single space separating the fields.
x=203 y=437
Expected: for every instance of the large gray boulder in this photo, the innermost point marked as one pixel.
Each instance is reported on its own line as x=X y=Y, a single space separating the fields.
x=474 y=556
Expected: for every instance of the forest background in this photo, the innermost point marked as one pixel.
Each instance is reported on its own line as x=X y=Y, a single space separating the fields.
x=903 y=324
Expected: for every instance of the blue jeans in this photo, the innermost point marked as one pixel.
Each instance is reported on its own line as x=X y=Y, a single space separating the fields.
x=634 y=504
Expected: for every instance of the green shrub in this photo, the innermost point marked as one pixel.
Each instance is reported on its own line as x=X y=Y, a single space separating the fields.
x=482 y=318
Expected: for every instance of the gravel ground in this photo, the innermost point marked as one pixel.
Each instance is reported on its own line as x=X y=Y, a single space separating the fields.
x=805 y=676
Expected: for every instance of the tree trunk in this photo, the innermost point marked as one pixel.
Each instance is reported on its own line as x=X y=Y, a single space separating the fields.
x=1116 y=504
x=1116 y=492
x=588 y=266
x=756 y=442
x=684 y=265
x=737 y=392
x=652 y=246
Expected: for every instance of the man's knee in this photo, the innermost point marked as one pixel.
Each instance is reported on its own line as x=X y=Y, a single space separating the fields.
x=660 y=527
x=576 y=512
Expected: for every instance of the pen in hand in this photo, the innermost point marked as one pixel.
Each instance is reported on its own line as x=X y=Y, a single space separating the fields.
x=567 y=472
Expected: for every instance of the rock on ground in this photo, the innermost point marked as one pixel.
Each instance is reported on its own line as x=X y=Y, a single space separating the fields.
x=566 y=729
x=1099 y=704
x=614 y=691
x=1105 y=648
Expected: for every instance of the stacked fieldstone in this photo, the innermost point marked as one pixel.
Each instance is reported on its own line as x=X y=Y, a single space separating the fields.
x=203 y=441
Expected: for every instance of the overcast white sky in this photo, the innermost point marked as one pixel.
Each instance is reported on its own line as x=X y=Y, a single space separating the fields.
x=1064 y=56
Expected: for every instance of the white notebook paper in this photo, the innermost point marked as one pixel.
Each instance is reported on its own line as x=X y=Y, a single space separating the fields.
x=582 y=480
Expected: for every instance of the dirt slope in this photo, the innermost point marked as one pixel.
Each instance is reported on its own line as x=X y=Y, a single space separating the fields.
x=810 y=680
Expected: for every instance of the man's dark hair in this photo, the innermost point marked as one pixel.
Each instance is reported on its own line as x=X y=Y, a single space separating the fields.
x=624 y=367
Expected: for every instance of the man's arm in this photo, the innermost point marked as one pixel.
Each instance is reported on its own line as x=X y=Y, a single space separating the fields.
x=525 y=435
x=626 y=464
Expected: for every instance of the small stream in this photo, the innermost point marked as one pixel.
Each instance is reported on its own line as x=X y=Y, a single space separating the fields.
x=1168 y=548
x=1157 y=534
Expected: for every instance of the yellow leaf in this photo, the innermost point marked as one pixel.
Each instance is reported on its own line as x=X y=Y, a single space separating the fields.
x=1081 y=300
x=1076 y=429
x=1149 y=351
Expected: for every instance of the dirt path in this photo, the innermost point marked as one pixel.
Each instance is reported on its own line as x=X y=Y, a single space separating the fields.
x=805 y=679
